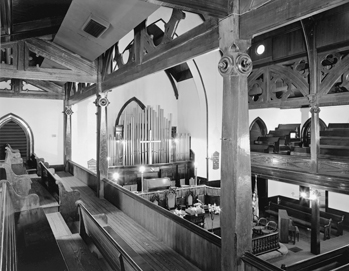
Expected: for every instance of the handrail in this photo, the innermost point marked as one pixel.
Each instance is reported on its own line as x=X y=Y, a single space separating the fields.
x=108 y=234
x=251 y=260
x=7 y=229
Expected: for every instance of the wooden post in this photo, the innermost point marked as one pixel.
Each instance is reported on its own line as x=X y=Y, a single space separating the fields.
x=308 y=26
x=67 y=128
x=236 y=192
x=315 y=227
x=102 y=132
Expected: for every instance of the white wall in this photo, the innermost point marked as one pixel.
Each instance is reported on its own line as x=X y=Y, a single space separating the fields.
x=152 y=90
x=84 y=131
x=276 y=188
x=213 y=83
x=45 y=119
x=338 y=201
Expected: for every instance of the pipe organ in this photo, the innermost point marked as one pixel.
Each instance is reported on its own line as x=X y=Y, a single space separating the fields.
x=145 y=137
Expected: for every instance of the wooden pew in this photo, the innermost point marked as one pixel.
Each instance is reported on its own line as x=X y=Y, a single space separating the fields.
x=300 y=218
x=337 y=220
x=113 y=248
x=334 y=140
x=65 y=195
x=337 y=258
x=21 y=183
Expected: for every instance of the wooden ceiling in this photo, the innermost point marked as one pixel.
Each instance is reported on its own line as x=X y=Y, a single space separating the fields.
x=59 y=22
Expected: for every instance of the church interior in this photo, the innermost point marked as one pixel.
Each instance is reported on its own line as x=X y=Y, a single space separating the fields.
x=174 y=135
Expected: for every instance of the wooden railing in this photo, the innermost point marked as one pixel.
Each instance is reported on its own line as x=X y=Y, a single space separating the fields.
x=176 y=232
x=337 y=258
x=7 y=230
x=265 y=243
x=114 y=249
x=253 y=263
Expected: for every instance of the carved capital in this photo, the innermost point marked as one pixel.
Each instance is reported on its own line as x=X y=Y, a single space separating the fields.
x=68 y=111
x=102 y=100
x=234 y=61
x=315 y=109
x=314 y=103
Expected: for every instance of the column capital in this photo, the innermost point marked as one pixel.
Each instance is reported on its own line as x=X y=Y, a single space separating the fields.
x=68 y=110
x=314 y=103
x=102 y=100
x=235 y=62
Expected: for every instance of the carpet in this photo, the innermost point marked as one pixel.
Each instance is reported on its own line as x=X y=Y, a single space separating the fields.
x=295 y=249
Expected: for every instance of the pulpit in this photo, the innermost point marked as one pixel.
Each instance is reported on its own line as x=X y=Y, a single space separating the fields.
x=283 y=226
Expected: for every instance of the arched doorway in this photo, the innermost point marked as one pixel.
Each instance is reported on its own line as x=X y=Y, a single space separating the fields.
x=257 y=129
x=16 y=132
x=306 y=131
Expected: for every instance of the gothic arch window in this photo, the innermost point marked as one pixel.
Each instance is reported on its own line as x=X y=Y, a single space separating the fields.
x=257 y=129
x=134 y=99
x=306 y=131
x=16 y=132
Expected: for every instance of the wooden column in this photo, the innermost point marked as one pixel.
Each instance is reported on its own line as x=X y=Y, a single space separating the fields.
x=308 y=26
x=102 y=131
x=67 y=128
x=236 y=193
x=315 y=227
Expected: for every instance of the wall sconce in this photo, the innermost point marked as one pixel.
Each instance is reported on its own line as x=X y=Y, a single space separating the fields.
x=215 y=160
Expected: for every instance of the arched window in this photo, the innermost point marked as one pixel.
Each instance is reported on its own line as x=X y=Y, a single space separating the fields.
x=257 y=129
x=306 y=131
x=16 y=132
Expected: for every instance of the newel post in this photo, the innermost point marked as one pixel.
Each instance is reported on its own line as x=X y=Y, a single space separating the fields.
x=236 y=192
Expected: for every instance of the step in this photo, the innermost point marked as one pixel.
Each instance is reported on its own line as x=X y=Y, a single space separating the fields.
x=75 y=252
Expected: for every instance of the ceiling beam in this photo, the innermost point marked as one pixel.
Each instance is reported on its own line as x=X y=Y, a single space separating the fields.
x=48 y=86
x=24 y=95
x=61 y=56
x=35 y=73
x=195 y=42
x=278 y=13
x=217 y=8
x=35 y=28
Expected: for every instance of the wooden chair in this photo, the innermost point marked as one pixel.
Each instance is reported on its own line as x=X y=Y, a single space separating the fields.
x=171 y=199
x=262 y=221
x=155 y=199
x=293 y=232
x=270 y=227
x=189 y=199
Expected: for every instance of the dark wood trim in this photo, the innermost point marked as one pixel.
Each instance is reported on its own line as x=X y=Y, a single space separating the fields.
x=278 y=13
x=217 y=8
x=330 y=183
x=195 y=42
x=214 y=239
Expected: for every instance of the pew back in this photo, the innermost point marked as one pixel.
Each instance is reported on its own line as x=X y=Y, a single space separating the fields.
x=114 y=249
x=65 y=195
x=7 y=229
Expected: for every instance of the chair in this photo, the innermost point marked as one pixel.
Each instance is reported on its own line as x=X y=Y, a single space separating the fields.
x=171 y=199
x=189 y=199
x=261 y=223
x=293 y=232
x=270 y=227
x=155 y=199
